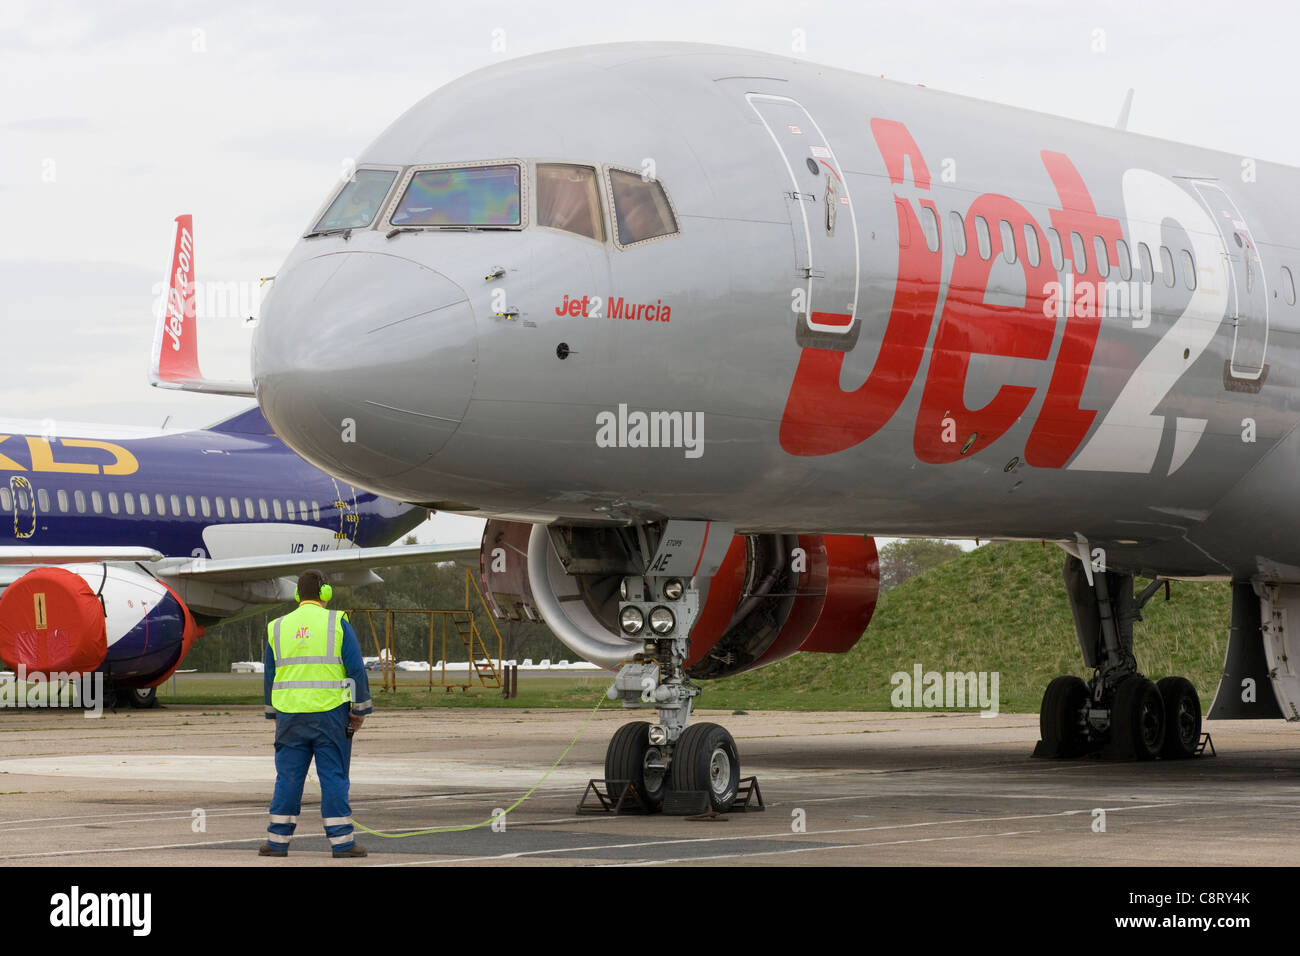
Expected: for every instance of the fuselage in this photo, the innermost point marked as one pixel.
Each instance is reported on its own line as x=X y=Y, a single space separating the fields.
x=229 y=492
x=836 y=335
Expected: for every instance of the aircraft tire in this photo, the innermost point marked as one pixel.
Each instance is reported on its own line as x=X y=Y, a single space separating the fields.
x=1058 y=717
x=1137 y=719
x=705 y=759
x=141 y=698
x=625 y=760
x=1182 y=718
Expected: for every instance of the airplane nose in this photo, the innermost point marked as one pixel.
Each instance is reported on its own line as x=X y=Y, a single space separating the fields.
x=364 y=363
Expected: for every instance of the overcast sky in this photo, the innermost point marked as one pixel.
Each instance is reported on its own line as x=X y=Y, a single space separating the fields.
x=116 y=117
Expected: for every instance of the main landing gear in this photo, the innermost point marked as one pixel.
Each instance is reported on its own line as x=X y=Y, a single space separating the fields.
x=672 y=754
x=1119 y=713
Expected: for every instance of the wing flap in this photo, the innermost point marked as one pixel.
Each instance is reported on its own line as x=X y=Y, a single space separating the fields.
x=330 y=562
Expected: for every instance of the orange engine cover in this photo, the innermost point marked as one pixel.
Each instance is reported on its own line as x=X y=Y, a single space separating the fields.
x=50 y=620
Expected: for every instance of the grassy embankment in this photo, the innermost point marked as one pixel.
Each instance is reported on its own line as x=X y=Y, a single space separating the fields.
x=999 y=608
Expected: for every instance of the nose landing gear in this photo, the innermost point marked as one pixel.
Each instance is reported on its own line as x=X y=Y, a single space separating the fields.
x=670 y=754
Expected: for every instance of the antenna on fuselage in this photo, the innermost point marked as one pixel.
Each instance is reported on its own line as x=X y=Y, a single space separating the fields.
x=1122 y=123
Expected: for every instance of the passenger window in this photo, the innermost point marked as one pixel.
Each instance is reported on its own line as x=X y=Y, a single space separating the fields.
x=302 y=509
x=21 y=497
x=144 y=505
x=189 y=506
x=1033 y=251
x=79 y=498
x=1288 y=284
x=62 y=496
x=6 y=502
x=160 y=505
x=262 y=509
x=234 y=507
x=982 y=238
x=568 y=198
x=958 y=233
x=930 y=226
x=248 y=508
x=1148 y=267
x=275 y=506
x=641 y=208
x=315 y=511
x=1167 y=266
x=1054 y=246
x=1125 y=260
x=221 y=506
x=205 y=506
x=1103 y=260
x=1008 y=236
x=1189 y=270
x=97 y=502
x=289 y=507
x=176 y=506
x=112 y=502
x=128 y=500
x=1080 y=257
x=43 y=499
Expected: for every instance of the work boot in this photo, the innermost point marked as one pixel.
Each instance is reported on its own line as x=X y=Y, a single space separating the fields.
x=267 y=850
x=351 y=853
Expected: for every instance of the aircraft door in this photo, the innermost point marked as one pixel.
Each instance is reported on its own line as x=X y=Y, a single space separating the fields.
x=824 y=223
x=24 y=506
x=1248 y=296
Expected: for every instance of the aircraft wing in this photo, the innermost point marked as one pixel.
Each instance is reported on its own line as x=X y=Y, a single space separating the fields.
x=43 y=556
x=274 y=566
x=176 y=340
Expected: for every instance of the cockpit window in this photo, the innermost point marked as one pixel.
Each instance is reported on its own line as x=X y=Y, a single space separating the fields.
x=468 y=196
x=361 y=199
x=641 y=208
x=568 y=199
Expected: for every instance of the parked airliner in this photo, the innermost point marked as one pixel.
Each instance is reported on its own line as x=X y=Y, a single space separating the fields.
x=687 y=322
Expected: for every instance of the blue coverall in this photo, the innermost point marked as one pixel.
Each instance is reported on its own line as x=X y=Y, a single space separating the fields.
x=299 y=737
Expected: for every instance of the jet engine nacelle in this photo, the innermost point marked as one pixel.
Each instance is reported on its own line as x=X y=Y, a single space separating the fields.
x=95 y=617
x=774 y=595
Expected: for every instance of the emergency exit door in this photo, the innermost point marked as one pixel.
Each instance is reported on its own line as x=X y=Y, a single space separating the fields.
x=24 y=506
x=1247 y=293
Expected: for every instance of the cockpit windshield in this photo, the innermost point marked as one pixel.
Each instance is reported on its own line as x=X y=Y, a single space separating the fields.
x=359 y=202
x=468 y=196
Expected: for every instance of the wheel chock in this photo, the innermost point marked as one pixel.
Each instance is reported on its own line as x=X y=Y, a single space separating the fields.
x=628 y=800
x=686 y=803
x=749 y=799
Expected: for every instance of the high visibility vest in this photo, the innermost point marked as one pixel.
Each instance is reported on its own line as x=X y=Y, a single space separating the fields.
x=309 y=674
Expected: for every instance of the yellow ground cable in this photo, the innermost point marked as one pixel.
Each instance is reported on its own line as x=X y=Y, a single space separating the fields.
x=490 y=820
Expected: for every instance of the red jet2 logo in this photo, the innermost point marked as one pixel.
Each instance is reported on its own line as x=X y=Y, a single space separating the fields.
x=821 y=418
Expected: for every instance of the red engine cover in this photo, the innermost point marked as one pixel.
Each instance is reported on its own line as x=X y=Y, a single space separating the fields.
x=852 y=586
x=50 y=620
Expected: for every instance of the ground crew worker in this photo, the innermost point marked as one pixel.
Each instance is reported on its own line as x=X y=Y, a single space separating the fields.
x=313 y=669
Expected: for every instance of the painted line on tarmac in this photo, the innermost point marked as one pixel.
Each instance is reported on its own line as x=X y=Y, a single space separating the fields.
x=815 y=849
x=770 y=836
